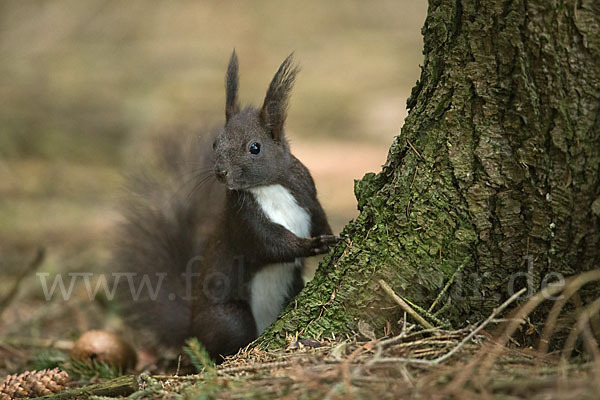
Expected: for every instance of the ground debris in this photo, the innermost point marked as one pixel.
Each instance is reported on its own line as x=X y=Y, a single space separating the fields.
x=391 y=367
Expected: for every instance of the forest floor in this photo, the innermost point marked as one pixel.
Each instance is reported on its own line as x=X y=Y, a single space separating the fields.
x=412 y=365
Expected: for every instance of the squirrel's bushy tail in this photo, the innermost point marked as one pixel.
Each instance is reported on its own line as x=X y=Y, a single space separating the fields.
x=169 y=210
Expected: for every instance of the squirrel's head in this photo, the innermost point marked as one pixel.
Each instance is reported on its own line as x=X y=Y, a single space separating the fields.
x=251 y=150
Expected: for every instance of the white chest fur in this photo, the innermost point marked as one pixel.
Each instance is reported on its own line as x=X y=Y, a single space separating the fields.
x=270 y=287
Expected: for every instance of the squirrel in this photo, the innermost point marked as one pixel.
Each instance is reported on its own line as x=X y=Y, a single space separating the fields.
x=228 y=253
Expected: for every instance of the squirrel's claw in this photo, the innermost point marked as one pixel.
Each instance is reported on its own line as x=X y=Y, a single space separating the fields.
x=321 y=243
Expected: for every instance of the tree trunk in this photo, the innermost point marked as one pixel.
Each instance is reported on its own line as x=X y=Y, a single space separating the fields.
x=493 y=182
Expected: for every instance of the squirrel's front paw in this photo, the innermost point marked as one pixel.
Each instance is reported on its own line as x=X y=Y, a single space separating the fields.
x=320 y=244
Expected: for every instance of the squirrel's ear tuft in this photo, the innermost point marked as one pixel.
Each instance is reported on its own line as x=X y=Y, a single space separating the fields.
x=274 y=109
x=232 y=105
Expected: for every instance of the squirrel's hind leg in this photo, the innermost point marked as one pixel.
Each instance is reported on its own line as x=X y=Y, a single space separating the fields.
x=224 y=328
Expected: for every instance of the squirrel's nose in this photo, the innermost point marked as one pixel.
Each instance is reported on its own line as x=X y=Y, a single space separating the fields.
x=221 y=174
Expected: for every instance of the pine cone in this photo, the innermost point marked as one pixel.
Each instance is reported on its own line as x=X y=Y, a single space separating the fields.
x=33 y=384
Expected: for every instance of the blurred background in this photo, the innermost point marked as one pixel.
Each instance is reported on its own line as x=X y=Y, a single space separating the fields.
x=86 y=86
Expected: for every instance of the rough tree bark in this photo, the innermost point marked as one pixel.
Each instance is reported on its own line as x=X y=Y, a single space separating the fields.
x=495 y=172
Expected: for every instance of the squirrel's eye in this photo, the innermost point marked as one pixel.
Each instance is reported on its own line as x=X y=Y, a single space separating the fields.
x=254 y=147
x=215 y=145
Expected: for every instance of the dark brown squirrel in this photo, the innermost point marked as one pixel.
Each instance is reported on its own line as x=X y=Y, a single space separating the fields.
x=228 y=255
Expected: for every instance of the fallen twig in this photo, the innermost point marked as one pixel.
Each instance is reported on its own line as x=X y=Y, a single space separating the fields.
x=415 y=150
x=404 y=305
x=571 y=286
x=121 y=386
x=467 y=338
x=32 y=266
x=66 y=345
x=493 y=315
x=447 y=286
x=253 y=367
